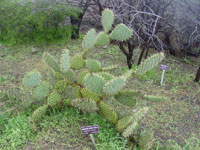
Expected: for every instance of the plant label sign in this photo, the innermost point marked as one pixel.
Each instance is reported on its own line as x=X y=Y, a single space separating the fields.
x=163 y=68
x=90 y=130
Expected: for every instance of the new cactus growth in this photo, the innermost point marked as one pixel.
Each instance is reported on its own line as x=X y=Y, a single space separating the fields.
x=85 y=84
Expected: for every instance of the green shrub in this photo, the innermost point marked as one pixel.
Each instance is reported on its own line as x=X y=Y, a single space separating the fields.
x=33 y=22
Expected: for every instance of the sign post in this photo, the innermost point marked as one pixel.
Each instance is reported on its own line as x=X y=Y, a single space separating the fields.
x=90 y=130
x=163 y=68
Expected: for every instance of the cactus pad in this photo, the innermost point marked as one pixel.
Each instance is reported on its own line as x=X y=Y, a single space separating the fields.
x=124 y=122
x=107 y=19
x=39 y=113
x=53 y=99
x=102 y=39
x=108 y=112
x=60 y=86
x=32 y=79
x=42 y=90
x=67 y=102
x=76 y=91
x=81 y=76
x=93 y=65
x=69 y=76
x=109 y=68
x=150 y=63
x=94 y=83
x=58 y=76
x=121 y=33
x=88 y=94
x=114 y=86
x=85 y=105
x=130 y=129
x=77 y=62
x=65 y=61
x=127 y=98
x=145 y=139
x=51 y=62
x=155 y=98
x=89 y=40
x=106 y=76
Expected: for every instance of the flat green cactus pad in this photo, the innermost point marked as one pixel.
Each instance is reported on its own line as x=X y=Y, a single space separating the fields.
x=69 y=76
x=77 y=62
x=51 y=62
x=85 y=105
x=107 y=19
x=89 y=40
x=88 y=94
x=39 y=113
x=145 y=139
x=155 y=98
x=124 y=122
x=127 y=98
x=102 y=39
x=106 y=76
x=42 y=90
x=94 y=83
x=60 y=86
x=113 y=86
x=65 y=61
x=108 y=112
x=76 y=91
x=81 y=76
x=32 y=79
x=93 y=65
x=53 y=99
x=121 y=33
x=130 y=129
x=150 y=63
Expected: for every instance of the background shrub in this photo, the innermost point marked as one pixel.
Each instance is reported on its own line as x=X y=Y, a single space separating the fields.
x=33 y=22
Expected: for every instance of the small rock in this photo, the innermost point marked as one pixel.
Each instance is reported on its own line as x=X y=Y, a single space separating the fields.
x=105 y=47
x=2 y=55
x=34 y=51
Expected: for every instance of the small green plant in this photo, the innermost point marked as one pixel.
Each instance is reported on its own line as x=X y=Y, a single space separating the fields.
x=92 y=88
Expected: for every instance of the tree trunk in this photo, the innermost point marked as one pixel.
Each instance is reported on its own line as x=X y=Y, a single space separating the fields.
x=141 y=55
x=197 y=75
x=147 y=52
x=76 y=22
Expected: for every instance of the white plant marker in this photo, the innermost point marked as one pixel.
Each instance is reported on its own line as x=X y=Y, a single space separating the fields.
x=162 y=78
x=93 y=139
x=163 y=68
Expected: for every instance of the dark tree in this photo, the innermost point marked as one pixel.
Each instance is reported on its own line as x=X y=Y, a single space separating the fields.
x=197 y=75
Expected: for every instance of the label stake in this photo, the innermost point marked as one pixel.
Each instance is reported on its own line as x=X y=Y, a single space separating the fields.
x=93 y=139
x=162 y=79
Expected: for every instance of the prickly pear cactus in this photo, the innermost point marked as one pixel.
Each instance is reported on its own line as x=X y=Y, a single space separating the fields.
x=90 y=83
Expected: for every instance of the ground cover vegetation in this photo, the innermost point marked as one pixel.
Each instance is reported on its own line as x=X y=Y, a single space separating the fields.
x=47 y=92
